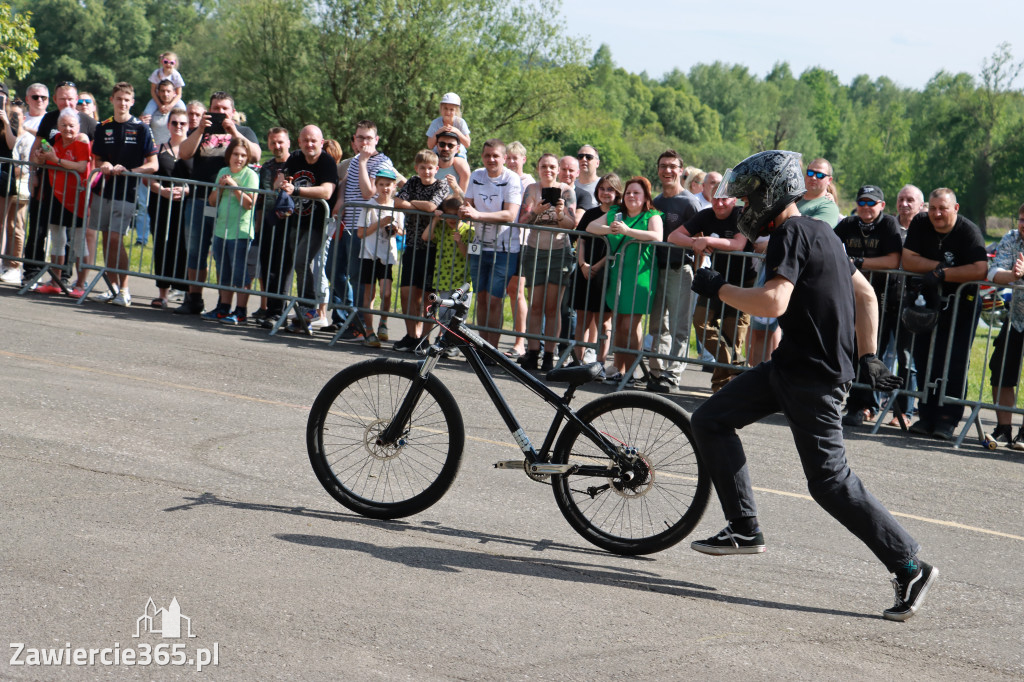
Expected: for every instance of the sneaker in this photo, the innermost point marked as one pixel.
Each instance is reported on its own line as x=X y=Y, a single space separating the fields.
x=589 y=356
x=107 y=296
x=602 y=375
x=317 y=321
x=910 y=592
x=260 y=315
x=230 y=318
x=215 y=315
x=1018 y=442
x=1003 y=434
x=450 y=353
x=241 y=315
x=372 y=341
x=176 y=296
x=192 y=305
x=528 y=361
x=269 y=320
x=51 y=288
x=77 y=292
x=548 y=362
x=944 y=432
x=123 y=298
x=728 y=542
x=382 y=332
x=11 y=276
x=351 y=333
x=407 y=344
x=658 y=384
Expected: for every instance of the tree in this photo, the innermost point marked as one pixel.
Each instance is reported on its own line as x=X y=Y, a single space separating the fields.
x=18 y=45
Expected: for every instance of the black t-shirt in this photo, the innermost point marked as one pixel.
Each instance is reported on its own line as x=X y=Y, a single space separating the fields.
x=48 y=126
x=585 y=198
x=594 y=248
x=818 y=326
x=415 y=190
x=129 y=144
x=675 y=212
x=208 y=158
x=879 y=238
x=310 y=212
x=268 y=172
x=962 y=245
x=737 y=270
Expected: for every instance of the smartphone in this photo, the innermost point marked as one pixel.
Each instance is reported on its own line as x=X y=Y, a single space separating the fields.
x=618 y=216
x=550 y=195
x=217 y=125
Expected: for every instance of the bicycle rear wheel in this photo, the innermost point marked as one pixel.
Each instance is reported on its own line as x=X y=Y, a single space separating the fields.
x=669 y=490
x=378 y=480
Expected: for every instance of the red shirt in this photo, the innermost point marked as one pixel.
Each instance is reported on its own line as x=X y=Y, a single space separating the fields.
x=71 y=192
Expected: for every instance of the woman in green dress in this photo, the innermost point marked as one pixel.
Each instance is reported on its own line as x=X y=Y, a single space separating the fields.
x=630 y=229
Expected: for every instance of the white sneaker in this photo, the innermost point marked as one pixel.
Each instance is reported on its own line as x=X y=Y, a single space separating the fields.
x=11 y=276
x=589 y=356
x=106 y=296
x=176 y=296
x=123 y=298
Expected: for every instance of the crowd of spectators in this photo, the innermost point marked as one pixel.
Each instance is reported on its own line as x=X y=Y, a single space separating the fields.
x=574 y=255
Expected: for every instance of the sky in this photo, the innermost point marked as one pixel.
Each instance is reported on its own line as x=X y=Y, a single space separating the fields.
x=908 y=41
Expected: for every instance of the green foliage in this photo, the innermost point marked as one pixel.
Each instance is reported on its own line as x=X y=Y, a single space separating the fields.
x=18 y=45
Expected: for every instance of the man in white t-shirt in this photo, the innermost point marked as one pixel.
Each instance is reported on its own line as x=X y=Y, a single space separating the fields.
x=492 y=201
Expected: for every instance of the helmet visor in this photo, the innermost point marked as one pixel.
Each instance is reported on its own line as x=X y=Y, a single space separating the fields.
x=736 y=185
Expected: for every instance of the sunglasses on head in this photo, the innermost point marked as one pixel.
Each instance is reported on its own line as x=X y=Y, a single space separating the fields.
x=816 y=174
x=866 y=202
x=587 y=157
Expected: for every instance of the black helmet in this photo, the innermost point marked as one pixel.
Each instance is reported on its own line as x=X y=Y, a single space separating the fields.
x=770 y=181
x=920 y=316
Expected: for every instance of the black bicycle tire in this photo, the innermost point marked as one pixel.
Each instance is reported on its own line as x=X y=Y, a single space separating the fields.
x=366 y=485
x=677 y=505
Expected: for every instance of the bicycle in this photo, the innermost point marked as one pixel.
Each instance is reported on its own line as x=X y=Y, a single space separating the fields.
x=386 y=437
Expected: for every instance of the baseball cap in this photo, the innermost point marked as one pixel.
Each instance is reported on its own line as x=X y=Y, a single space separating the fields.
x=386 y=172
x=451 y=98
x=870 y=192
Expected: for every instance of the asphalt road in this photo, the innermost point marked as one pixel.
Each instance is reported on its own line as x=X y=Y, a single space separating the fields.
x=143 y=457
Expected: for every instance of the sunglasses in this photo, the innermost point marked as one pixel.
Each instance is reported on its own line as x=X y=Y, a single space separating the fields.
x=66 y=84
x=586 y=157
x=816 y=174
x=446 y=145
x=85 y=101
x=177 y=124
x=170 y=62
x=40 y=98
x=866 y=202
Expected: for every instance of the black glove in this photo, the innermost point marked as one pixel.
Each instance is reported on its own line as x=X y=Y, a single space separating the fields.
x=707 y=282
x=875 y=374
x=933 y=280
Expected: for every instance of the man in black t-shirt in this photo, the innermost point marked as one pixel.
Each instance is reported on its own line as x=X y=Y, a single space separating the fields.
x=721 y=328
x=671 y=306
x=41 y=201
x=270 y=227
x=822 y=302
x=310 y=177
x=873 y=242
x=205 y=145
x=949 y=250
x=123 y=144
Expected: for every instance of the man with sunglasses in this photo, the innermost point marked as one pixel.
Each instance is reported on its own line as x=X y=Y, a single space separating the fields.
x=166 y=102
x=586 y=183
x=872 y=240
x=37 y=97
x=450 y=164
x=817 y=202
x=40 y=204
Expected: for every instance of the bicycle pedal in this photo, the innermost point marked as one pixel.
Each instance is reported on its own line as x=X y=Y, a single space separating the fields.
x=517 y=464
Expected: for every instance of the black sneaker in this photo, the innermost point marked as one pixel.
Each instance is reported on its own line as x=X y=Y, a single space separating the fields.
x=1018 y=442
x=944 y=432
x=910 y=592
x=658 y=384
x=269 y=320
x=260 y=315
x=730 y=542
x=1003 y=434
x=548 y=362
x=192 y=305
x=528 y=360
x=407 y=344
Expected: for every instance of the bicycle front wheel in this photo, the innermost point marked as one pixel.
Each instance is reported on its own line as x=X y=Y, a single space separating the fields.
x=665 y=495
x=384 y=481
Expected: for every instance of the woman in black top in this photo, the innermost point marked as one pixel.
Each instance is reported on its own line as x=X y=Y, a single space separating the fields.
x=165 y=214
x=591 y=258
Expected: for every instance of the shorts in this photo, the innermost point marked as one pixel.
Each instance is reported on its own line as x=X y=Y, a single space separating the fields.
x=418 y=267
x=1004 y=365
x=491 y=271
x=111 y=215
x=764 y=324
x=371 y=271
x=545 y=266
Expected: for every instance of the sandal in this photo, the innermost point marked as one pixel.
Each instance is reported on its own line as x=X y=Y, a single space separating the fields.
x=158 y=303
x=513 y=354
x=895 y=421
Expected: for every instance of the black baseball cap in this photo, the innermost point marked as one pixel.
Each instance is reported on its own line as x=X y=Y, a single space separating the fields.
x=870 y=192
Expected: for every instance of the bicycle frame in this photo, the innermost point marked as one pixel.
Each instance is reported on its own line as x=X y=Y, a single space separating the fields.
x=460 y=336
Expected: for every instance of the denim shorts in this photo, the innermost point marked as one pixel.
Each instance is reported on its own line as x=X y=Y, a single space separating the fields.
x=491 y=271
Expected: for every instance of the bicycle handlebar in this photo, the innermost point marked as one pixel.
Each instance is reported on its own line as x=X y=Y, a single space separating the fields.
x=460 y=295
